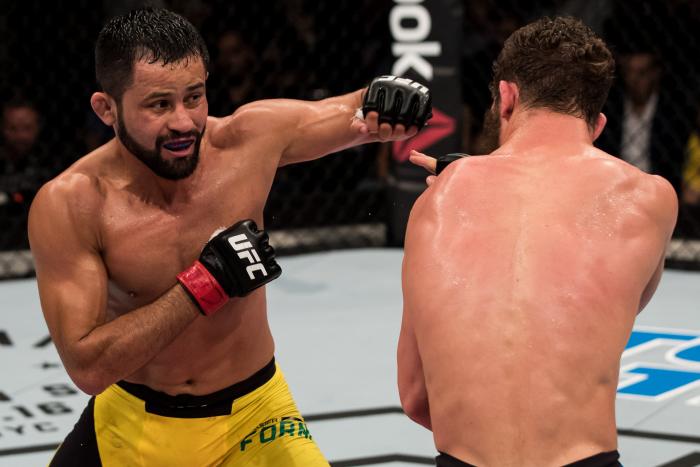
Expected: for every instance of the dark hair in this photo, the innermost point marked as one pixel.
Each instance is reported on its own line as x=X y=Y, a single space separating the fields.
x=558 y=64
x=155 y=35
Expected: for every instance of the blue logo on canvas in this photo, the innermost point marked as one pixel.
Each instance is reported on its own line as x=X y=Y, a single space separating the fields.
x=663 y=364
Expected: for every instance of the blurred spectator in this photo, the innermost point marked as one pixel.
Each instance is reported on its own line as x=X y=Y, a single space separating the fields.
x=20 y=132
x=688 y=225
x=232 y=80
x=645 y=126
x=641 y=76
x=651 y=109
x=24 y=168
x=691 y=172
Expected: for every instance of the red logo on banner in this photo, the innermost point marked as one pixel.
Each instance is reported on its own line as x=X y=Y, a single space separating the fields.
x=438 y=127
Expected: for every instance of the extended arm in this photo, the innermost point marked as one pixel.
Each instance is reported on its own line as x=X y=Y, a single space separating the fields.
x=326 y=126
x=389 y=109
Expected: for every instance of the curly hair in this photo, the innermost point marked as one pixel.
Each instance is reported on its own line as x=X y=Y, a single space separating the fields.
x=559 y=64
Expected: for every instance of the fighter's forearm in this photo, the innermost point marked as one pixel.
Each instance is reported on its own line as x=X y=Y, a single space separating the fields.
x=339 y=117
x=114 y=350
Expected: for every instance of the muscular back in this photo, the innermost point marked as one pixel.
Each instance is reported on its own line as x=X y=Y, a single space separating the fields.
x=522 y=278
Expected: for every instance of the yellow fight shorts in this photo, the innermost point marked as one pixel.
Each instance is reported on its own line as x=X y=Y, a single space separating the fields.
x=254 y=423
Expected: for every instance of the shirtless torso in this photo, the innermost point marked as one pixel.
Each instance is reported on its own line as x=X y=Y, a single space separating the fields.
x=136 y=238
x=144 y=243
x=109 y=238
x=523 y=275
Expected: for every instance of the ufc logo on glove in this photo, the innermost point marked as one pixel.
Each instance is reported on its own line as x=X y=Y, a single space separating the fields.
x=227 y=265
x=245 y=250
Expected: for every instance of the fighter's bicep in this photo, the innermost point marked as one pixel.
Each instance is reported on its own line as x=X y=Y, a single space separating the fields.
x=270 y=123
x=313 y=134
x=71 y=275
x=73 y=294
x=324 y=127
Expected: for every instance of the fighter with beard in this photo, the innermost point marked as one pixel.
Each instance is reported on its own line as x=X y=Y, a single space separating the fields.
x=156 y=308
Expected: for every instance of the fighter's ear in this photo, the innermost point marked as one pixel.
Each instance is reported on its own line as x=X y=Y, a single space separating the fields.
x=509 y=95
x=105 y=107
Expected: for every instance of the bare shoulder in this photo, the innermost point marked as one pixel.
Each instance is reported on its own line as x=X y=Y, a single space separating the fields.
x=437 y=201
x=651 y=189
x=69 y=203
x=458 y=177
x=452 y=183
x=257 y=118
x=651 y=193
x=661 y=198
x=74 y=189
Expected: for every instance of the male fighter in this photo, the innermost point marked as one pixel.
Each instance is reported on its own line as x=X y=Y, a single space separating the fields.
x=524 y=269
x=153 y=308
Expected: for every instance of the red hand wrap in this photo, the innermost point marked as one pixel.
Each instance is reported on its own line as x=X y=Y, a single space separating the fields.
x=203 y=288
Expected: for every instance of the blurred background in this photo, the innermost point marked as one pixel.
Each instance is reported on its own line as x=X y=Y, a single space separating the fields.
x=310 y=50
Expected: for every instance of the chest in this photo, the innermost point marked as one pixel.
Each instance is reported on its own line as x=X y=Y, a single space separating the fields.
x=145 y=245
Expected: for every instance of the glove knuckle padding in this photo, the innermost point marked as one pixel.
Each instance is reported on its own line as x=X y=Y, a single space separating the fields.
x=392 y=106
x=398 y=100
x=408 y=110
x=373 y=98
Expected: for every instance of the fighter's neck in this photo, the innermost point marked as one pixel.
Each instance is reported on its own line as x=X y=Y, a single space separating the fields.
x=157 y=190
x=536 y=129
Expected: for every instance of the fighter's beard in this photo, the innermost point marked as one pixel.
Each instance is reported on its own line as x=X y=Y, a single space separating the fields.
x=170 y=169
x=490 y=135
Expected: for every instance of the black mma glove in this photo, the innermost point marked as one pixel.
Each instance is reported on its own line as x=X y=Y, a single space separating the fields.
x=233 y=263
x=398 y=100
x=447 y=159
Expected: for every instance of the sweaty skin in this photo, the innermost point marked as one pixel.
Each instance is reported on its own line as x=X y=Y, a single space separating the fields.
x=109 y=237
x=523 y=273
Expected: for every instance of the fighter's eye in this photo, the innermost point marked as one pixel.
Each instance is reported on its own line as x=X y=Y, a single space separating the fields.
x=194 y=98
x=160 y=105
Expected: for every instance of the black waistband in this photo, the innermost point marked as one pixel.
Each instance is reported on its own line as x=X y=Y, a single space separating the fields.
x=445 y=460
x=191 y=406
x=603 y=459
